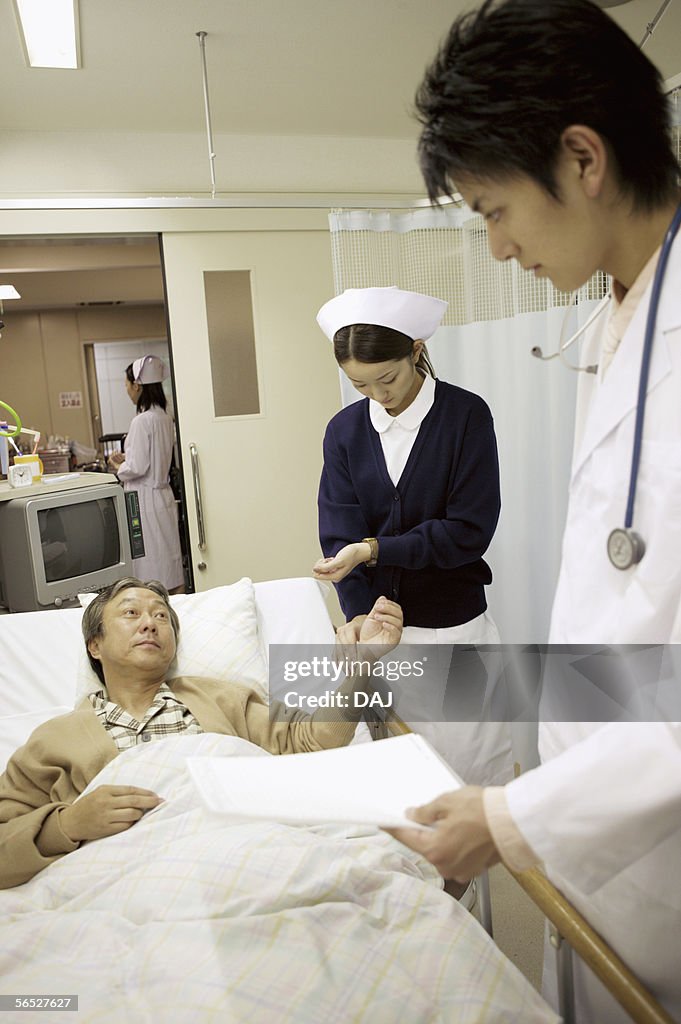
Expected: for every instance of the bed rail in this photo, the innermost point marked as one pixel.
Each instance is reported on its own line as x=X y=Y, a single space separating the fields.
x=570 y=932
x=572 y=928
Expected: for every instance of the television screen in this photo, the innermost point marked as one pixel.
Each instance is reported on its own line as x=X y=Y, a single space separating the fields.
x=78 y=539
x=56 y=544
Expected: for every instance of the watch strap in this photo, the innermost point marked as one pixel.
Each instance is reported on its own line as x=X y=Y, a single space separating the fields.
x=373 y=545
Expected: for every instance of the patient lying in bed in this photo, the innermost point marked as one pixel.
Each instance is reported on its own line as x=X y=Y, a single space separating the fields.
x=130 y=632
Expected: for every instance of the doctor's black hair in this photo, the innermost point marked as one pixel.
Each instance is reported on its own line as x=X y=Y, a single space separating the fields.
x=371 y=343
x=151 y=394
x=513 y=74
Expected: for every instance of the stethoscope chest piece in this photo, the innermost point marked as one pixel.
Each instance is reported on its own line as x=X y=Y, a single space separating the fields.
x=625 y=548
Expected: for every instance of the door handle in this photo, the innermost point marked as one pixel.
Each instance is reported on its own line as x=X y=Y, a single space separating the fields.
x=196 y=478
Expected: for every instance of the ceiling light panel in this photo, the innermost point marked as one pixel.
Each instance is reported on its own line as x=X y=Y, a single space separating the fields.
x=49 y=31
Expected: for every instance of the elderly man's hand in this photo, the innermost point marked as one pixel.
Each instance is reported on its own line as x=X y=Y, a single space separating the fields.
x=460 y=844
x=347 y=638
x=349 y=632
x=381 y=630
x=106 y=811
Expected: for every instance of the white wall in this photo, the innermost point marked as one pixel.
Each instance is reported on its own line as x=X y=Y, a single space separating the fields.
x=111 y=360
x=170 y=164
x=41 y=355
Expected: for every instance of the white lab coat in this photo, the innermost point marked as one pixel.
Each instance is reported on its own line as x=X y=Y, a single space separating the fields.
x=605 y=812
x=148 y=453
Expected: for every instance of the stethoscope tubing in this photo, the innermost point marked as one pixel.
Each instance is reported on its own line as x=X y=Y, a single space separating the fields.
x=562 y=348
x=651 y=320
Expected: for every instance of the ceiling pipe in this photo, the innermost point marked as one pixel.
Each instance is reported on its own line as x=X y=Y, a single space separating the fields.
x=206 y=100
x=651 y=26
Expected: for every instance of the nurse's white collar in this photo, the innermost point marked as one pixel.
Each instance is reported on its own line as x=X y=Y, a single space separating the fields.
x=413 y=415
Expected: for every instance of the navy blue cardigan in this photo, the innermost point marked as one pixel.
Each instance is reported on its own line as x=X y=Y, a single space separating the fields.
x=433 y=527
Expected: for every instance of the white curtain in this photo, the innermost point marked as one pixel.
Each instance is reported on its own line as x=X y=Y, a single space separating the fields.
x=496 y=314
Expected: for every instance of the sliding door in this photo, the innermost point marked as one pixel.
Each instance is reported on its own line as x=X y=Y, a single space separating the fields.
x=255 y=385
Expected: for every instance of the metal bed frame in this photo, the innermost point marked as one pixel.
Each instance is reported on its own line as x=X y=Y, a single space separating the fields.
x=569 y=933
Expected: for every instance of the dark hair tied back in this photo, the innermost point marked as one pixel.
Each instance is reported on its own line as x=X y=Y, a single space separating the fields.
x=371 y=343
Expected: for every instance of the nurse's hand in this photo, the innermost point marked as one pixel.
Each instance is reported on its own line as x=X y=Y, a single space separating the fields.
x=115 y=460
x=460 y=844
x=337 y=568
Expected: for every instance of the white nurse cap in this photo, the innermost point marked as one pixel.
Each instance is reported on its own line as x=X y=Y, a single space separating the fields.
x=149 y=370
x=416 y=315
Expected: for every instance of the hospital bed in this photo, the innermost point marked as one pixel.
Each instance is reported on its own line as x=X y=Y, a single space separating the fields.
x=186 y=916
x=190 y=916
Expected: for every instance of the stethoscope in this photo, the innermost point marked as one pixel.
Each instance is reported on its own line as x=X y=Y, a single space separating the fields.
x=625 y=546
x=563 y=346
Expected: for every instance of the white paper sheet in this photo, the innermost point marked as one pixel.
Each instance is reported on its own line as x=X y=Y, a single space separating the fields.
x=371 y=783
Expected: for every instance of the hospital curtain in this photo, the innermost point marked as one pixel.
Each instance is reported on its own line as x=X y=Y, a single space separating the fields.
x=496 y=314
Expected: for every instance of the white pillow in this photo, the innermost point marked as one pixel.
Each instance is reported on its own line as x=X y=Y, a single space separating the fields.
x=218 y=640
x=15 y=729
x=293 y=611
x=38 y=659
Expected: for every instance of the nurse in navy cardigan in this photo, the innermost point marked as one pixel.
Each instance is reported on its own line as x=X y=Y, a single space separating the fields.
x=409 y=495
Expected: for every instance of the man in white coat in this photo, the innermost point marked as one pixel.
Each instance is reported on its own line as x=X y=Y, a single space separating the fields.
x=554 y=126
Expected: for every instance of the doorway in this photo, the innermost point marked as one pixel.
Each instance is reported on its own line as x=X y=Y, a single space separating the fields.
x=89 y=305
x=250 y=475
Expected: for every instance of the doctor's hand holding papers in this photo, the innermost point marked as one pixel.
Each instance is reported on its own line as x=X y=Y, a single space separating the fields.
x=460 y=844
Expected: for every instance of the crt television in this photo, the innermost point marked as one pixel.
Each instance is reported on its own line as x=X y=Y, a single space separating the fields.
x=57 y=545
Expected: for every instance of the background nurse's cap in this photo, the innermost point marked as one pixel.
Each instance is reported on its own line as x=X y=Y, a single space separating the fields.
x=416 y=315
x=149 y=370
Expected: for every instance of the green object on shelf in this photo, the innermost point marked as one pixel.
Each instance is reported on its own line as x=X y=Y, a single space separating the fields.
x=6 y=432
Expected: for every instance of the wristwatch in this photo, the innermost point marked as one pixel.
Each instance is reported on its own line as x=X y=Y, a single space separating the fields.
x=373 y=545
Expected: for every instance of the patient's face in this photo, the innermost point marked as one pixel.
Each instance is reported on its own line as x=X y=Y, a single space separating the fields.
x=138 y=637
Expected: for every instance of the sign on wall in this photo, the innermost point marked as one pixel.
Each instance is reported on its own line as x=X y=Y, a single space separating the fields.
x=70 y=399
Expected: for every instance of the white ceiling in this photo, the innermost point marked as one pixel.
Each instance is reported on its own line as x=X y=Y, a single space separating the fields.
x=75 y=273
x=303 y=67
x=307 y=67
x=80 y=273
